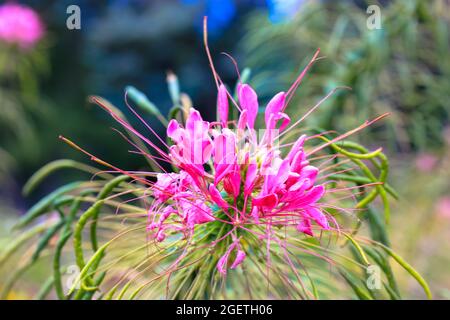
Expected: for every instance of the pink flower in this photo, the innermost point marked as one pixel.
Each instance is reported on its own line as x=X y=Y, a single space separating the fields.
x=233 y=182
x=426 y=162
x=443 y=207
x=20 y=25
x=229 y=175
x=234 y=192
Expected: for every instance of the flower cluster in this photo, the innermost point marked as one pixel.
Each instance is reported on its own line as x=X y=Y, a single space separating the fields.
x=20 y=25
x=228 y=173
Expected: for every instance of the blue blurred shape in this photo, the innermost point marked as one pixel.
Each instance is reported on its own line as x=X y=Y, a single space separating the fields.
x=283 y=10
x=219 y=12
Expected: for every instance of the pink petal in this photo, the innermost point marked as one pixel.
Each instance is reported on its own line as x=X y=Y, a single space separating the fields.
x=252 y=170
x=222 y=105
x=221 y=171
x=207 y=149
x=298 y=200
x=240 y=256
x=223 y=261
x=199 y=215
x=152 y=226
x=318 y=217
x=255 y=214
x=217 y=197
x=311 y=196
x=270 y=132
x=309 y=172
x=301 y=185
x=269 y=201
x=172 y=129
x=249 y=102
x=225 y=148
x=167 y=211
x=298 y=161
x=283 y=173
x=316 y=193
x=222 y=264
x=272 y=119
x=274 y=106
x=242 y=123
x=296 y=147
x=160 y=236
x=286 y=121
x=193 y=121
x=228 y=187
x=292 y=179
x=220 y=148
x=235 y=180
x=305 y=227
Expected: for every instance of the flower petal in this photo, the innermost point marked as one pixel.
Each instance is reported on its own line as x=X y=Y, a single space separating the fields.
x=225 y=148
x=249 y=102
x=318 y=217
x=298 y=145
x=193 y=121
x=255 y=214
x=274 y=106
x=217 y=197
x=309 y=172
x=268 y=201
x=240 y=256
x=222 y=105
x=305 y=227
x=252 y=170
x=242 y=123
x=222 y=264
x=235 y=180
x=173 y=130
x=286 y=121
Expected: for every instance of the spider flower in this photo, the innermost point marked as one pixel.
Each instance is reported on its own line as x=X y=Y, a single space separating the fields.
x=230 y=174
x=20 y=25
x=238 y=197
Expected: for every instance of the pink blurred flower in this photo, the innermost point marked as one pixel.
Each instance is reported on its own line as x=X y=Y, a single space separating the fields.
x=426 y=162
x=443 y=207
x=20 y=25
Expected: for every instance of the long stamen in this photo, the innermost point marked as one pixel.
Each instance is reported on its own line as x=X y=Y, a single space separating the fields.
x=349 y=133
x=104 y=163
x=299 y=79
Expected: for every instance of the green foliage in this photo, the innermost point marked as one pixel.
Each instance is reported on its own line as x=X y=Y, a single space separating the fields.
x=403 y=68
x=21 y=106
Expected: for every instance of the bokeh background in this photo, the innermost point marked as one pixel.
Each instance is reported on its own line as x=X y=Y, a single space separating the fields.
x=402 y=68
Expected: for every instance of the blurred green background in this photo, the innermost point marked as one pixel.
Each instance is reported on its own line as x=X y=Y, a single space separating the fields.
x=402 y=68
